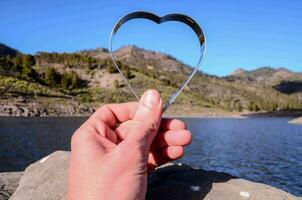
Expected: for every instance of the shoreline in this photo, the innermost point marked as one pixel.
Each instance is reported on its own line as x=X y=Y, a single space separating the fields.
x=171 y=116
x=75 y=109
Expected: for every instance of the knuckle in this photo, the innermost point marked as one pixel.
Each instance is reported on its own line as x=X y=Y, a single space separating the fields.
x=152 y=127
x=79 y=138
x=147 y=125
x=190 y=136
x=75 y=139
x=183 y=124
x=102 y=108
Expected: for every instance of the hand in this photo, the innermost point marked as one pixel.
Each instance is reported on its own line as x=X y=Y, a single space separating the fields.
x=114 y=149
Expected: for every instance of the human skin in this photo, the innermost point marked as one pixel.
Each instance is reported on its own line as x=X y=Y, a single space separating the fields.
x=115 y=149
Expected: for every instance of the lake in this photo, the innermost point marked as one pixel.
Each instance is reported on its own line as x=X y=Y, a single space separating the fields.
x=267 y=150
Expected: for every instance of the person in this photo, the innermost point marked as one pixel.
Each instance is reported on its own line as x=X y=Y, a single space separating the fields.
x=113 y=152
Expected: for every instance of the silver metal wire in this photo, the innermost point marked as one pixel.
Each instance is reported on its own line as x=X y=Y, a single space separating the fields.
x=170 y=17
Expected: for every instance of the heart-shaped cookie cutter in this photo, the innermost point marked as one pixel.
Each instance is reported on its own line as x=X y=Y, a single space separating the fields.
x=170 y=17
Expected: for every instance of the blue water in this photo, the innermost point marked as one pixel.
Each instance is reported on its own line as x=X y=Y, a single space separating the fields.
x=267 y=150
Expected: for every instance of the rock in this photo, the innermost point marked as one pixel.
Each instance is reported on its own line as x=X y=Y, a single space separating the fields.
x=14 y=108
x=36 y=111
x=19 y=112
x=178 y=182
x=20 y=99
x=296 y=121
x=8 y=183
x=32 y=109
x=47 y=179
x=26 y=112
x=92 y=110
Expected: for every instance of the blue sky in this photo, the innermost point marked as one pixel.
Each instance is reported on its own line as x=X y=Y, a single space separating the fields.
x=240 y=33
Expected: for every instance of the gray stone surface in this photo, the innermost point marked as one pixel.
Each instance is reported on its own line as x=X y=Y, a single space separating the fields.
x=8 y=183
x=182 y=182
x=47 y=180
x=296 y=121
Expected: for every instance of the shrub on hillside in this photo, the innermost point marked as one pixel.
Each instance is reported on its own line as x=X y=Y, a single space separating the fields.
x=70 y=80
x=52 y=77
x=111 y=68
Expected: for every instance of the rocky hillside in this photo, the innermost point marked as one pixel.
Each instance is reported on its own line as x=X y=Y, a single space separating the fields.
x=7 y=51
x=281 y=79
x=267 y=75
x=75 y=83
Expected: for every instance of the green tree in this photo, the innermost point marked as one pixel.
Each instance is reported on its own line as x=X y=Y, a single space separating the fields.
x=227 y=105
x=127 y=71
x=70 y=80
x=65 y=81
x=75 y=80
x=29 y=72
x=28 y=61
x=18 y=60
x=6 y=66
x=237 y=106
x=111 y=68
x=52 y=77
x=253 y=107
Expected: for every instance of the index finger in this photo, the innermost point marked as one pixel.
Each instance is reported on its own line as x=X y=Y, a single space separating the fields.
x=113 y=114
x=172 y=124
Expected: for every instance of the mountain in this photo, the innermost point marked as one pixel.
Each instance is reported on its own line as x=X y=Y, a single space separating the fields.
x=281 y=79
x=55 y=81
x=140 y=58
x=6 y=50
x=267 y=75
x=238 y=72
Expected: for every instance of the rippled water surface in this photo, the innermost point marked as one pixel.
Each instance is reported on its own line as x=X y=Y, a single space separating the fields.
x=267 y=150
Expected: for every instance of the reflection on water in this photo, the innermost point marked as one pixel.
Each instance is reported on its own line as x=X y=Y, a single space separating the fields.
x=267 y=150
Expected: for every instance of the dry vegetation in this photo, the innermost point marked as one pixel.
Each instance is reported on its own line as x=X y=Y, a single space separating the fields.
x=89 y=77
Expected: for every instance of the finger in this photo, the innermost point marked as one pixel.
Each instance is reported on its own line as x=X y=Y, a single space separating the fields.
x=172 y=138
x=177 y=137
x=94 y=127
x=172 y=152
x=92 y=140
x=155 y=160
x=112 y=114
x=104 y=130
x=146 y=121
x=172 y=124
x=165 y=155
x=166 y=124
x=122 y=130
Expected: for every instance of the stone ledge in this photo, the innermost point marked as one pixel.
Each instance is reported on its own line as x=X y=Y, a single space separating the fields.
x=296 y=121
x=47 y=179
x=9 y=181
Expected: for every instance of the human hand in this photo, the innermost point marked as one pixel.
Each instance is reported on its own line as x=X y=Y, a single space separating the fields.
x=114 y=149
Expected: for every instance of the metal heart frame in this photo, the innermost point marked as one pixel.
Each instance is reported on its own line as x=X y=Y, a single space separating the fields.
x=170 y=17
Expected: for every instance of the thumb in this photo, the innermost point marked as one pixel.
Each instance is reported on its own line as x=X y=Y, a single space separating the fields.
x=147 y=118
